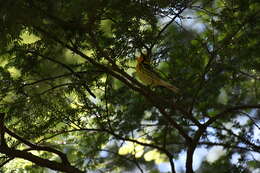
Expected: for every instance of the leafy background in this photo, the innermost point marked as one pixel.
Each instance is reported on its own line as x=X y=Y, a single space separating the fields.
x=68 y=83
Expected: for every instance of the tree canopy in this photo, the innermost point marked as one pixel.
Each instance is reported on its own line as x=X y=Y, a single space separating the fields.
x=71 y=102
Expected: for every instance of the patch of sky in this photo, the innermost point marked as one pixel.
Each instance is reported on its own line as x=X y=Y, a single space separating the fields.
x=103 y=154
x=187 y=20
x=199 y=156
x=164 y=167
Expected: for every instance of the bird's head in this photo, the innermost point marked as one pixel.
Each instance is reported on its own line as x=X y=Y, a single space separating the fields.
x=143 y=59
x=140 y=59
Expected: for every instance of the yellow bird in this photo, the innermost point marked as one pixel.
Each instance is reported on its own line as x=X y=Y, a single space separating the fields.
x=148 y=76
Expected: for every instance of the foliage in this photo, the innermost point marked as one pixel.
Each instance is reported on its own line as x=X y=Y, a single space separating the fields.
x=70 y=100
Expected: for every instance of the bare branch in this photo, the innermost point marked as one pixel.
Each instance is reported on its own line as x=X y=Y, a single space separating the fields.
x=252 y=119
x=226 y=145
x=228 y=111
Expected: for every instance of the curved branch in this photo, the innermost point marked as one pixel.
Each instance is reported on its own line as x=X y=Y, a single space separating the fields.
x=226 y=145
x=199 y=133
x=252 y=119
x=37 y=147
x=5 y=162
x=244 y=140
x=39 y=161
x=13 y=153
x=228 y=111
x=166 y=26
x=176 y=125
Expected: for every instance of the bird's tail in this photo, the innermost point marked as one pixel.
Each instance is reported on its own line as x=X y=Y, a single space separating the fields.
x=169 y=86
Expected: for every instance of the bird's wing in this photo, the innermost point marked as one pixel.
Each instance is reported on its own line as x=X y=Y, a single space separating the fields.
x=151 y=70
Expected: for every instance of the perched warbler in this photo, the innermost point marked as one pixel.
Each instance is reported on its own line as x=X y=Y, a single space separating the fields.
x=148 y=76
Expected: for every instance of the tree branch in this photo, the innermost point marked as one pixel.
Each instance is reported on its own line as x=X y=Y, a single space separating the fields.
x=167 y=25
x=5 y=162
x=39 y=161
x=244 y=140
x=125 y=158
x=252 y=119
x=13 y=153
x=229 y=110
x=2 y=130
x=37 y=147
x=226 y=145
x=176 y=125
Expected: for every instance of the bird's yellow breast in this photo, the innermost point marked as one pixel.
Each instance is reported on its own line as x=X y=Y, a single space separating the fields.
x=143 y=75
